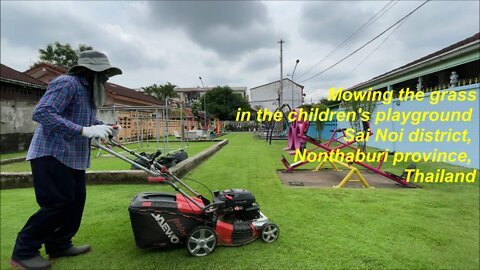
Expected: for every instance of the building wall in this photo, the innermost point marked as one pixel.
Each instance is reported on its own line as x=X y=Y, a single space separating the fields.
x=266 y=96
x=241 y=91
x=406 y=146
x=16 y=108
x=325 y=133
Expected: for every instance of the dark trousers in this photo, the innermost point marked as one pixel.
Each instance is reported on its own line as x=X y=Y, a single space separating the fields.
x=60 y=193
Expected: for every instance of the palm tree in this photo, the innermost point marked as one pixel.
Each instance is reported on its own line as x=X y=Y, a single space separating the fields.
x=161 y=92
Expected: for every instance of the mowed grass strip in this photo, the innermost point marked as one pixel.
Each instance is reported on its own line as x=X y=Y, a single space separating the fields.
x=321 y=228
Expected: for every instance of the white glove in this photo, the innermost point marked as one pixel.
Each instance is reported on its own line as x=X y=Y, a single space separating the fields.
x=98 y=131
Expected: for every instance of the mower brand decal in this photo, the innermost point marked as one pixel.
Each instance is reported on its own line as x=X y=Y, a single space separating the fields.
x=179 y=226
x=166 y=228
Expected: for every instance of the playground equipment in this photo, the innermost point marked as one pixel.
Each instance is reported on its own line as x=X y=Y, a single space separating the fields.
x=147 y=124
x=271 y=132
x=347 y=178
x=297 y=139
x=218 y=127
x=141 y=124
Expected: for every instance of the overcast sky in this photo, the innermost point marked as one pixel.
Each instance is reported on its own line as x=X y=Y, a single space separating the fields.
x=235 y=43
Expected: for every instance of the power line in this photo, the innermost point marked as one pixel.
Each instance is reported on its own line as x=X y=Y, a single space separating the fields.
x=350 y=38
x=372 y=52
x=370 y=41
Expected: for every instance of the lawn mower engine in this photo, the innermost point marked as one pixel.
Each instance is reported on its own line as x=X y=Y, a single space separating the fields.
x=239 y=220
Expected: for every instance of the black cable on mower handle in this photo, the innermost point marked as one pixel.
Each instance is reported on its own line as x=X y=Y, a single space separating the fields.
x=156 y=170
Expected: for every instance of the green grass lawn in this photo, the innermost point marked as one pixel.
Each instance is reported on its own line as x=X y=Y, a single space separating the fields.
x=105 y=161
x=436 y=227
x=13 y=155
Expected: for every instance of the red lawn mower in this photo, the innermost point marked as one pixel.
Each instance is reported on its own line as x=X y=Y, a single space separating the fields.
x=162 y=219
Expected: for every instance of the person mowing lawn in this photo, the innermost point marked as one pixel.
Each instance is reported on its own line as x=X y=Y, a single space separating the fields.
x=59 y=154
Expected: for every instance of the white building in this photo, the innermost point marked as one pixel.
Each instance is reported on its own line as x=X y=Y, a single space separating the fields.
x=266 y=96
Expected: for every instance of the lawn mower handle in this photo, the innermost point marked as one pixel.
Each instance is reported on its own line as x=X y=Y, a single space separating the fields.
x=163 y=169
x=110 y=151
x=152 y=171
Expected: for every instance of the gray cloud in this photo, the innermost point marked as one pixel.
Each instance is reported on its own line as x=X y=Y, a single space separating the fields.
x=262 y=60
x=331 y=22
x=232 y=43
x=229 y=28
x=36 y=28
x=436 y=25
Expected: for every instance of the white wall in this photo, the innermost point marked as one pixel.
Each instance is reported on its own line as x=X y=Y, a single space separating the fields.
x=266 y=96
x=16 y=117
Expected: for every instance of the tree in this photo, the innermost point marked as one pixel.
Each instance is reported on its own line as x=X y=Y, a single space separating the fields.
x=61 y=55
x=196 y=106
x=319 y=125
x=224 y=103
x=356 y=124
x=328 y=103
x=161 y=92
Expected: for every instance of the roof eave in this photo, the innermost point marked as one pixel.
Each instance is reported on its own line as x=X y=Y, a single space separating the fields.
x=474 y=45
x=23 y=83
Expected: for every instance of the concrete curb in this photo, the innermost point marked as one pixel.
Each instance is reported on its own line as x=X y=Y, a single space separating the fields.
x=12 y=160
x=24 y=179
x=22 y=159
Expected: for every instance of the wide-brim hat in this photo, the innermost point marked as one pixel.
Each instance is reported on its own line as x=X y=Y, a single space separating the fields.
x=95 y=61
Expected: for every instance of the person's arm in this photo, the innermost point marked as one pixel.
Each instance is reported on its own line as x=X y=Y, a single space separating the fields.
x=97 y=122
x=57 y=98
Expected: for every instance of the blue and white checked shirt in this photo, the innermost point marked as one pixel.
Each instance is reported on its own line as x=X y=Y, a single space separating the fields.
x=61 y=113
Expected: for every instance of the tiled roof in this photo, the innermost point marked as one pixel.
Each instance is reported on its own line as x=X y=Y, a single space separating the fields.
x=15 y=76
x=56 y=69
x=130 y=93
x=110 y=87
x=442 y=51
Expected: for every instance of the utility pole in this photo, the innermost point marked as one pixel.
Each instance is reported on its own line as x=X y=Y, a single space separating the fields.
x=293 y=83
x=204 y=106
x=280 y=97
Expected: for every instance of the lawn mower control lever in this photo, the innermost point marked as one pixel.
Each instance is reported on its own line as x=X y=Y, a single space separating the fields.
x=164 y=169
x=115 y=131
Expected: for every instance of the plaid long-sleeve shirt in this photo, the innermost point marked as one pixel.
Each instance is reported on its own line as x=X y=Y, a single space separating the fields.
x=61 y=113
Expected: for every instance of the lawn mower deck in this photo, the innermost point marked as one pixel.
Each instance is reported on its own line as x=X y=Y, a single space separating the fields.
x=161 y=219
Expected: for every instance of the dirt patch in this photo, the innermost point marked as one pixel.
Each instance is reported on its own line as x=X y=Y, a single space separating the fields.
x=330 y=178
